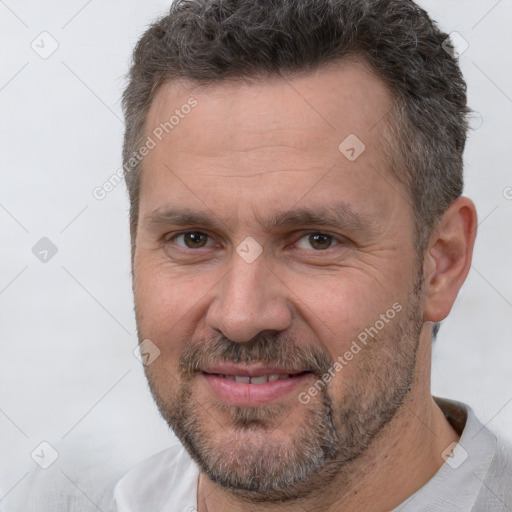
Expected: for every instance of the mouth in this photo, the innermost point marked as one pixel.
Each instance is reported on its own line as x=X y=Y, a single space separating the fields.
x=255 y=384
x=256 y=379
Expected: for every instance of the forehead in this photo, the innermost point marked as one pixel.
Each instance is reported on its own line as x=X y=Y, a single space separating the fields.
x=341 y=98
x=268 y=135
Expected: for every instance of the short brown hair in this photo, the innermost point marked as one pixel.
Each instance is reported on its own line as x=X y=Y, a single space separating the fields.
x=209 y=41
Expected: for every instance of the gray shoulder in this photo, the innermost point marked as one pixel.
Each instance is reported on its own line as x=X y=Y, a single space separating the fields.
x=148 y=485
x=502 y=463
x=496 y=491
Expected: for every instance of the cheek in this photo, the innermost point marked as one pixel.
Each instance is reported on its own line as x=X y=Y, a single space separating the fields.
x=163 y=307
x=338 y=307
x=162 y=295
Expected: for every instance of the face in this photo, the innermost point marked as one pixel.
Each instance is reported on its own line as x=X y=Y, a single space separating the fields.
x=274 y=269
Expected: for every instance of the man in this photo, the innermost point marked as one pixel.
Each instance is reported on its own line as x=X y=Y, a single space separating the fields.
x=295 y=177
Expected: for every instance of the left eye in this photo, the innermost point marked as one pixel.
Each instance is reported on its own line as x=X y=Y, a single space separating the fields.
x=318 y=241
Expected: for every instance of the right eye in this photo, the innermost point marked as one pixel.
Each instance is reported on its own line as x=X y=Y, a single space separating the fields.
x=191 y=239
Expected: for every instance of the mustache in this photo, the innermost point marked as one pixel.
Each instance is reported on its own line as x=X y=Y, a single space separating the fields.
x=265 y=348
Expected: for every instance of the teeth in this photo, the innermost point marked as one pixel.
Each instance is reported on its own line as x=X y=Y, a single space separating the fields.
x=244 y=379
x=259 y=380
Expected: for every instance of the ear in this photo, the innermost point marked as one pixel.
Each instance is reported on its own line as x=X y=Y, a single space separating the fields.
x=448 y=258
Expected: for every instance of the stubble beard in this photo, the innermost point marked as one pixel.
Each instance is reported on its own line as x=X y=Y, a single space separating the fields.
x=234 y=446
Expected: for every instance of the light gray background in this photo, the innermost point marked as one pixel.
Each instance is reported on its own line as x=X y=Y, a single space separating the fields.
x=68 y=375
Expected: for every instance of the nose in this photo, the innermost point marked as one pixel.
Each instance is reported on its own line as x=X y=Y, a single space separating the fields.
x=250 y=299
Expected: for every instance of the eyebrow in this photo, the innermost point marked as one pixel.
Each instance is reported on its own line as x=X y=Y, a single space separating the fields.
x=340 y=215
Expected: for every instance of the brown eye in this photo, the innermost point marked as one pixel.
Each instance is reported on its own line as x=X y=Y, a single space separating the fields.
x=317 y=241
x=320 y=241
x=191 y=240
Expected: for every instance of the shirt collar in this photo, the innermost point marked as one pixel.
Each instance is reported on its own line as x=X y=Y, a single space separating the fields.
x=458 y=482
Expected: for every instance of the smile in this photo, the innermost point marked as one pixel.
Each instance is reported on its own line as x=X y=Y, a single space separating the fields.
x=262 y=379
x=250 y=385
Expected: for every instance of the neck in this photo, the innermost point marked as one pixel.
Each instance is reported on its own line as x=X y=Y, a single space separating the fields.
x=401 y=459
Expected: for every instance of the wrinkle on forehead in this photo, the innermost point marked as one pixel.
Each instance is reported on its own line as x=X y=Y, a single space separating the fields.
x=255 y=143
x=340 y=99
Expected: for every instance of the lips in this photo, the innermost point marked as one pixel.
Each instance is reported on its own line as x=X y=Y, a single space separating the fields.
x=252 y=384
x=245 y=379
x=250 y=370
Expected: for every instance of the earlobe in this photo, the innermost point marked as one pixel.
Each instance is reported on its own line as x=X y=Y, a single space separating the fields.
x=448 y=258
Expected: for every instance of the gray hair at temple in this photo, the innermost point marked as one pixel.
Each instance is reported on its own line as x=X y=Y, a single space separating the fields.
x=210 y=41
